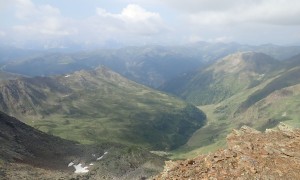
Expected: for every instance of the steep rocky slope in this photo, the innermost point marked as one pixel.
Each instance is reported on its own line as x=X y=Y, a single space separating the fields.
x=26 y=153
x=250 y=154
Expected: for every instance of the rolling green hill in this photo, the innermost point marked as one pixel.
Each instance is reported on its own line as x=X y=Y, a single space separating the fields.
x=101 y=106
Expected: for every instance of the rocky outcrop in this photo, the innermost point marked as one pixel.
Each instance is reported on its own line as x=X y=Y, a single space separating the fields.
x=274 y=154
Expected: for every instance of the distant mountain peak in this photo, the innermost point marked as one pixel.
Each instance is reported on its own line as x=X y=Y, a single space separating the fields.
x=245 y=61
x=226 y=77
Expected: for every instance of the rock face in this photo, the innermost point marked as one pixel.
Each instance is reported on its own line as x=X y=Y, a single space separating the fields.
x=274 y=154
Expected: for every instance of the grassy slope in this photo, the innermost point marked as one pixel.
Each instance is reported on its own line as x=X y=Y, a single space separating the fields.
x=275 y=99
x=281 y=105
x=101 y=106
x=224 y=78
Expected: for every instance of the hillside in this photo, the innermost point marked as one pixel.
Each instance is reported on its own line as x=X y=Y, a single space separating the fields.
x=101 y=106
x=273 y=99
x=250 y=154
x=271 y=102
x=8 y=76
x=26 y=153
x=223 y=79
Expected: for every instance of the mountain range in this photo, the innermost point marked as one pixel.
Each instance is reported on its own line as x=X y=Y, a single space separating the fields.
x=148 y=65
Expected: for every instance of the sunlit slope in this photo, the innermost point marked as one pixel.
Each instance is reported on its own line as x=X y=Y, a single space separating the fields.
x=223 y=79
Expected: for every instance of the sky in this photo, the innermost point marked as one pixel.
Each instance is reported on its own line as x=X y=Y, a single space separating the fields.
x=99 y=23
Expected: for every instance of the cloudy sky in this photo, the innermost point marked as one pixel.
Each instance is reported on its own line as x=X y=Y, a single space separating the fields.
x=54 y=23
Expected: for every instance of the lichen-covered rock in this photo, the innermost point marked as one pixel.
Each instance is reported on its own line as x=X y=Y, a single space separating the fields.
x=250 y=154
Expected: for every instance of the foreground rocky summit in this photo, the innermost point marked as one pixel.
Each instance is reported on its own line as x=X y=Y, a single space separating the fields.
x=274 y=154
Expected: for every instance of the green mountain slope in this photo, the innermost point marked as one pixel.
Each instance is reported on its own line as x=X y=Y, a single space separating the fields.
x=272 y=100
x=289 y=78
x=101 y=106
x=223 y=79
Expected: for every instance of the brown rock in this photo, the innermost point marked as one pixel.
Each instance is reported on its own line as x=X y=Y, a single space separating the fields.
x=251 y=154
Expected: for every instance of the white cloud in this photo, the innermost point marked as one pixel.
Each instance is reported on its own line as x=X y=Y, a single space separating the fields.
x=247 y=21
x=131 y=12
x=45 y=22
x=172 y=21
x=135 y=13
x=26 y=9
x=132 y=19
x=132 y=25
x=2 y=34
x=48 y=26
x=4 y=4
x=194 y=6
x=279 y=12
x=40 y=21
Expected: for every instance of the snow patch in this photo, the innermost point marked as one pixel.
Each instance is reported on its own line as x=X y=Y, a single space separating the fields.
x=80 y=169
x=99 y=158
x=70 y=164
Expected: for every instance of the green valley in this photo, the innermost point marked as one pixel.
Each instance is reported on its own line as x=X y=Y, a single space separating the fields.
x=101 y=106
